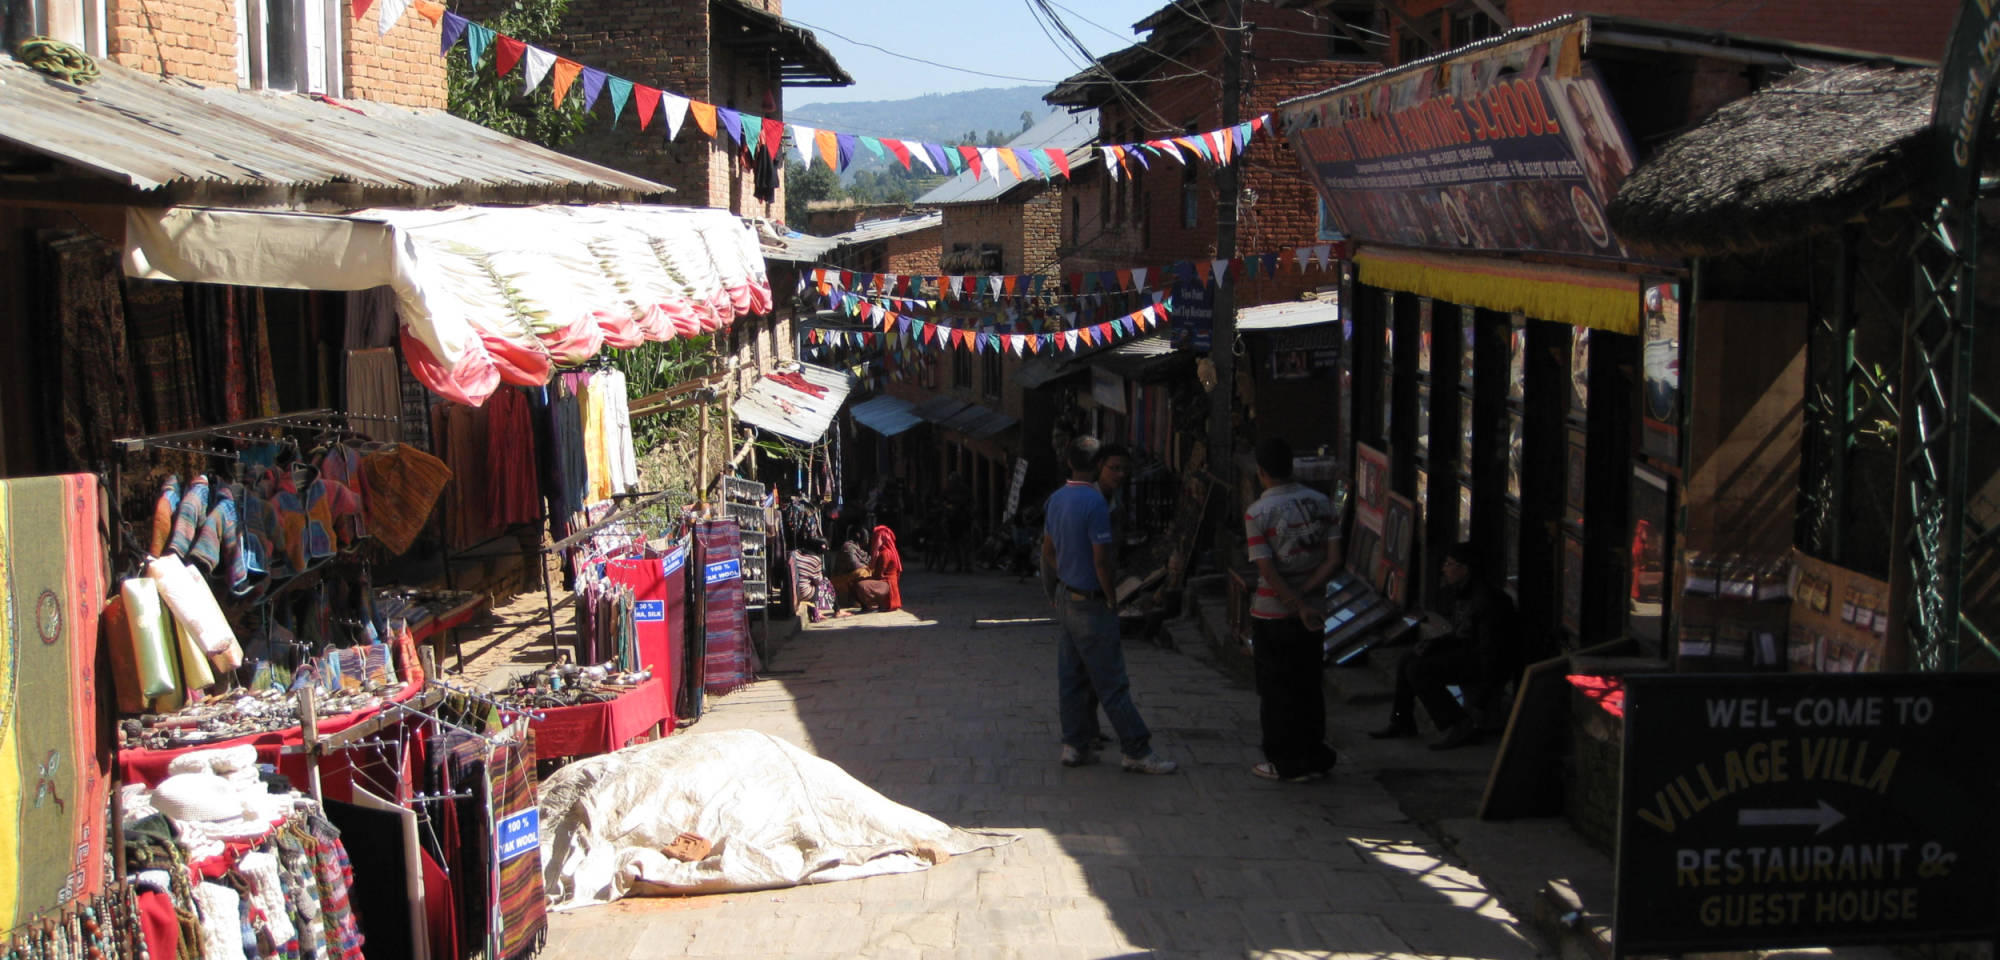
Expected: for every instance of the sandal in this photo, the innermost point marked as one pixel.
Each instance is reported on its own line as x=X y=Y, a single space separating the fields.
x=1266 y=771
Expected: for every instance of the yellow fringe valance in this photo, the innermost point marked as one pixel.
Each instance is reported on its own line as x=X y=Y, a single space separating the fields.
x=1587 y=298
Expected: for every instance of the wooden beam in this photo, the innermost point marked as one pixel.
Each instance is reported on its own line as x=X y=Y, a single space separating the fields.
x=1396 y=12
x=1493 y=12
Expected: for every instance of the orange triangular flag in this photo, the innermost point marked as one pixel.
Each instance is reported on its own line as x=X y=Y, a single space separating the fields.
x=1202 y=269
x=1007 y=284
x=1124 y=279
x=704 y=116
x=434 y=12
x=1007 y=157
x=829 y=148
x=565 y=74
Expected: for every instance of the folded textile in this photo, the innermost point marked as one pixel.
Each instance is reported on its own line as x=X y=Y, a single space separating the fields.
x=400 y=486
x=163 y=515
x=194 y=607
x=188 y=516
x=151 y=636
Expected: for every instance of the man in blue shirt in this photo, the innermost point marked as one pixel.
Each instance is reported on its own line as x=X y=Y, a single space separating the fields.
x=1076 y=548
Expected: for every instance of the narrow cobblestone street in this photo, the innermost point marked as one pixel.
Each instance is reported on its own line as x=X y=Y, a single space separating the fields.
x=959 y=720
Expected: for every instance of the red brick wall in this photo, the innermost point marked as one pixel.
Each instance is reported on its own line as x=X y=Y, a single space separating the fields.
x=1028 y=231
x=191 y=39
x=1145 y=225
x=669 y=44
x=1915 y=29
x=196 y=40
x=400 y=67
x=827 y=221
x=914 y=252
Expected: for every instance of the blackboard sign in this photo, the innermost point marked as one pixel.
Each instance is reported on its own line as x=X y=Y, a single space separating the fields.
x=1806 y=810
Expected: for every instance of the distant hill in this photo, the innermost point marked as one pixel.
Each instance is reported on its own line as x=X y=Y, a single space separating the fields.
x=934 y=117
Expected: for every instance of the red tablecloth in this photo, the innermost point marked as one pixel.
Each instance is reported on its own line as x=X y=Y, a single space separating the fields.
x=150 y=766
x=595 y=728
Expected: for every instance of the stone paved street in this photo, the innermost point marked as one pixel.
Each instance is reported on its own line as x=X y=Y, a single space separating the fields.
x=960 y=722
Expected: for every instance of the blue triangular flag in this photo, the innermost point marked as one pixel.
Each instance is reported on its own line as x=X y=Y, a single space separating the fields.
x=593 y=85
x=454 y=26
x=846 y=143
x=478 y=37
x=621 y=91
x=731 y=123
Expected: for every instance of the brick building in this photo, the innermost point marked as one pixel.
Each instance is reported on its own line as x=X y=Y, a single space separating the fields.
x=318 y=47
x=739 y=54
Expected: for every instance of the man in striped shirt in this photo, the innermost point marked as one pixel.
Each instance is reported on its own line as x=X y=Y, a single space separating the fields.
x=1294 y=539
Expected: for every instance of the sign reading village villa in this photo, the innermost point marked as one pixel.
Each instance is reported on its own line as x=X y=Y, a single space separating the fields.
x=1806 y=810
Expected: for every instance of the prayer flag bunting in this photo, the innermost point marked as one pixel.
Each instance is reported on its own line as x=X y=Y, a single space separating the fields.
x=829 y=148
x=538 y=62
x=566 y=72
x=731 y=123
x=593 y=87
x=804 y=139
x=1060 y=158
x=507 y=52
x=704 y=116
x=621 y=91
x=901 y=150
x=454 y=27
x=434 y=12
x=648 y=100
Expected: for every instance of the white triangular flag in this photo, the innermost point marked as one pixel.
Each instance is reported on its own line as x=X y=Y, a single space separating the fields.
x=1110 y=161
x=802 y=139
x=390 y=12
x=1139 y=278
x=1221 y=268
x=674 y=110
x=920 y=155
x=1324 y=254
x=990 y=158
x=535 y=66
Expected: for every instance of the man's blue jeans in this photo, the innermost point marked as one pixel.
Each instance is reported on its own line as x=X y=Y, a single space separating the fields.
x=1090 y=668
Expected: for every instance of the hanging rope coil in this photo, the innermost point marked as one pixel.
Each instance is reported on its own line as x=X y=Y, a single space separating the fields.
x=57 y=59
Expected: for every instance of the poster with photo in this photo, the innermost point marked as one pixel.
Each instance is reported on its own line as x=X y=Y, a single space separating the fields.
x=1468 y=330
x=1839 y=620
x=1371 y=486
x=1423 y=420
x=1517 y=359
x=1514 y=454
x=1579 y=372
x=1660 y=354
x=1399 y=542
x=1424 y=337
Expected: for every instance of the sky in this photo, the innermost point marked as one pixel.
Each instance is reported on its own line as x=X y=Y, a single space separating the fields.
x=992 y=36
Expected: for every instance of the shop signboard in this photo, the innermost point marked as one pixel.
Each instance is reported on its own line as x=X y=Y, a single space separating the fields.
x=1795 y=810
x=1660 y=351
x=518 y=833
x=1193 y=314
x=1515 y=148
x=1839 y=618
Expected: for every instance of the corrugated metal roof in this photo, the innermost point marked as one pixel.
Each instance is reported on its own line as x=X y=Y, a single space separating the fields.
x=150 y=132
x=1069 y=132
x=1132 y=358
x=788 y=411
x=791 y=245
x=940 y=408
x=868 y=231
x=1284 y=316
x=886 y=415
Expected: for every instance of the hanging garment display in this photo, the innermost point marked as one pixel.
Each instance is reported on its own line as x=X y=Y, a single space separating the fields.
x=400 y=487
x=730 y=662
x=374 y=389
x=50 y=851
x=85 y=352
x=512 y=493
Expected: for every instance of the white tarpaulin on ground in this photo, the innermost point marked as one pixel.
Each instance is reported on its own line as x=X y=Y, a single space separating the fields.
x=485 y=295
x=777 y=816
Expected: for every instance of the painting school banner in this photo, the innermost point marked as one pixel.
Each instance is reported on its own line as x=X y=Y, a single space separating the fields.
x=1513 y=148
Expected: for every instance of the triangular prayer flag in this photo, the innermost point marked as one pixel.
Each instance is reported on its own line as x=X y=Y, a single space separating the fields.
x=566 y=74
x=1324 y=254
x=773 y=136
x=391 y=12
x=1301 y=254
x=538 y=63
x=845 y=144
x=804 y=141
x=507 y=52
x=1124 y=279
x=971 y=155
x=361 y=7
x=1060 y=158
x=731 y=123
x=1139 y=155
x=990 y=156
x=1220 y=269
x=621 y=91
x=1139 y=278
x=704 y=116
x=454 y=27
x=874 y=146
x=593 y=87
x=1027 y=159
x=941 y=158
x=829 y=148
x=901 y=149
x=1110 y=161
x=647 y=100
x=1270 y=264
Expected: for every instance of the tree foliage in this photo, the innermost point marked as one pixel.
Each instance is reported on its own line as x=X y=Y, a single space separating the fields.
x=498 y=103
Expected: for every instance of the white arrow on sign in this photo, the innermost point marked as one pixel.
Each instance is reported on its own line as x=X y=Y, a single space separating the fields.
x=1824 y=816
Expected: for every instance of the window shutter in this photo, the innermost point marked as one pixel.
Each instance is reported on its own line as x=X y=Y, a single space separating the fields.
x=243 y=42
x=313 y=20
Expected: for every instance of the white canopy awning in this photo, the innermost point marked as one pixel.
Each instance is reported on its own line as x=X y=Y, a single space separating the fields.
x=485 y=295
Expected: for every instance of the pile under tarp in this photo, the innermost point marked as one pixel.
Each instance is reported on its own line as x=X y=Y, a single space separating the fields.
x=777 y=816
x=485 y=295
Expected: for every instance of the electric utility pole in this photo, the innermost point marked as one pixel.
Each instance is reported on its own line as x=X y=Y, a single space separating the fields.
x=1222 y=341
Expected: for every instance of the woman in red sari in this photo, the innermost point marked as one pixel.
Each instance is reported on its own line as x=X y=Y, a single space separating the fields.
x=889 y=565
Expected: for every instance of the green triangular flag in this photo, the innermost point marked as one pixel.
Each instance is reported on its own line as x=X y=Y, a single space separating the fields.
x=621 y=91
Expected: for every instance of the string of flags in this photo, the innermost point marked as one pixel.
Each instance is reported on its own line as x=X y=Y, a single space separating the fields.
x=750 y=132
x=900 y=331
x=992 y=288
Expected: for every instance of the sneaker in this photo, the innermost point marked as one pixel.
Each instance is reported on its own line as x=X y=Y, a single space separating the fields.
x=1072 y=757
x=1150 y=763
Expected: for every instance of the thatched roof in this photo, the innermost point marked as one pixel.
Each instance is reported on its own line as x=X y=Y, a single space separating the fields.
x=1800 y=156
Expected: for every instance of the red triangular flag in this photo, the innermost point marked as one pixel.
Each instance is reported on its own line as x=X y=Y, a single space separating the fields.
x=1060 y=158
x=971 y=155
x=648 y=99
x=902 y=152
x=361 y=7
x=507 y=52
